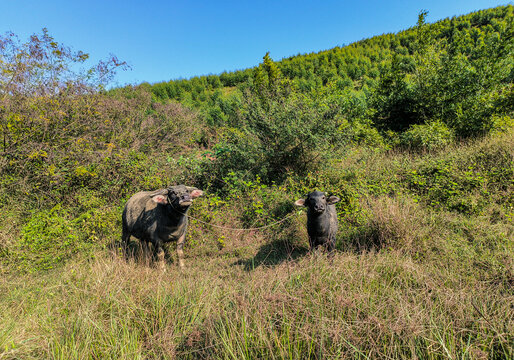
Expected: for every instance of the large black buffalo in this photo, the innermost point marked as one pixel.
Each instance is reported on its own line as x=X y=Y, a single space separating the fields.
x=158 y=217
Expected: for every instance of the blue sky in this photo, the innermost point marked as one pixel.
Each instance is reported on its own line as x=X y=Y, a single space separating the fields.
x=164 y=40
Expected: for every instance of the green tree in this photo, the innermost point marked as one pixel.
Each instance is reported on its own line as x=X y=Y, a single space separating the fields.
x=267 y=78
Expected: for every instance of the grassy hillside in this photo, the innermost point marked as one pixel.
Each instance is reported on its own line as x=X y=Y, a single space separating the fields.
x=412 y=278
x=413 y=131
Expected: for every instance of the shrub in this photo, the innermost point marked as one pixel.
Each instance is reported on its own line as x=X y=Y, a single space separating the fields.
x=46 y=239
x=276 y=136
x=466 y=181
x=501 y=124
x=431 y=136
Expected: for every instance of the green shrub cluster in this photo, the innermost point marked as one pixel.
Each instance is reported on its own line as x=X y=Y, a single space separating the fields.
x=434 y=135
x=468 y=182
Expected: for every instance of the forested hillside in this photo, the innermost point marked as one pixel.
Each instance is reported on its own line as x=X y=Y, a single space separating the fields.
x=413 y=131
x=458 y=70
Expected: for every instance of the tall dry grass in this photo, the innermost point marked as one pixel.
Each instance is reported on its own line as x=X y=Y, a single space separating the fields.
x=351 y=305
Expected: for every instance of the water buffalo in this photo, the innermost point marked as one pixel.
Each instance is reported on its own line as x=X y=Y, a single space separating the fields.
x=321 y=219
x=159 y=217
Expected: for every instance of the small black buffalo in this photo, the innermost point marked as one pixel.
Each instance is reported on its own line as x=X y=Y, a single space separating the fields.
x=159 y=217
x=321 y=219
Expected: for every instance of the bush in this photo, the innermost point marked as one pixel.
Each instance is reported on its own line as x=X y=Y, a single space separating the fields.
x=467 y=181
x=431 y=136
x=273 y=137
x=501 y=124
x=46 y=239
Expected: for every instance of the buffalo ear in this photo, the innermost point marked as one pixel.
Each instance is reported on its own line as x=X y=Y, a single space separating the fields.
x=196 y=193
x=160 y=199
x=159 y=192
x=300 y=202
x=332 y=200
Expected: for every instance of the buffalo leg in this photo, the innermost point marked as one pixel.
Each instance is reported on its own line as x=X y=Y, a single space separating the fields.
x=146 y=251
x=180 y=250
x=159 y=252
x=331 y=245
x=311 y=244
x=125 y=237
